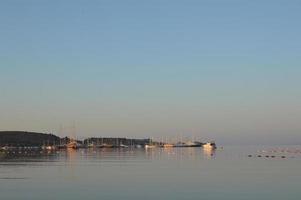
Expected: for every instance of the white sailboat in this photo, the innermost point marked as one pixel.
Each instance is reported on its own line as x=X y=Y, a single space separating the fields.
x=150 y=145
x=209 y=145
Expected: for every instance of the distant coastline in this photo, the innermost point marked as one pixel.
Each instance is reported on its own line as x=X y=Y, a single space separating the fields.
x=35 y=140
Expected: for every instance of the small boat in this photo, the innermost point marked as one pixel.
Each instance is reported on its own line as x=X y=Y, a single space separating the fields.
x=168 y=145
x=91 y=145
x=193 y=144
x=123 y=146
x=180 y=144
x=49 y=147
x=209 y=145
x=149 y=146
x=72 y=145
x=106 y=146
x=5 y=148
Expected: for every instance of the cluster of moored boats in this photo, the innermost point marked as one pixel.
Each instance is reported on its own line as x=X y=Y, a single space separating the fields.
x=76 y=145
x=209 y=145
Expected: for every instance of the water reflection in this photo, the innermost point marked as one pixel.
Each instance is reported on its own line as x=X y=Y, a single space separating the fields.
x=175 y=173
x=73 y=156
x=28 y=156
x=209 y=152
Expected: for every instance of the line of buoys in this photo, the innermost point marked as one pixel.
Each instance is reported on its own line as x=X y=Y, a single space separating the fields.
x=268 y=156
x=286 y=150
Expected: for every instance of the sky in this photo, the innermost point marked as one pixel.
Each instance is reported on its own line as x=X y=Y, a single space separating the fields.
x=223 y=70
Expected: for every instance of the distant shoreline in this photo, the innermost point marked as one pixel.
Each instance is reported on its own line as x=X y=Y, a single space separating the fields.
x=34 y=140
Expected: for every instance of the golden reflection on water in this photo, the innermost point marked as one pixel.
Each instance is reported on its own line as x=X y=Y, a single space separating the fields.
x=209 y=152
x=71 y=156
x=190 y=153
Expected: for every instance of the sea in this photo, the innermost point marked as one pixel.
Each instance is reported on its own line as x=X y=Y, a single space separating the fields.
x=228 y=173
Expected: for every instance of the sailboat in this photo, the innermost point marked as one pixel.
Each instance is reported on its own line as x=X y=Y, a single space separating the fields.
x=123 y=146
x=209 y=145
x=72 y=145
x=168 y=145
x=150 y=145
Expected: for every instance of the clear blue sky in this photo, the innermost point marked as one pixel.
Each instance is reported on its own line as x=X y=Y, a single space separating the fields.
x=216 y=69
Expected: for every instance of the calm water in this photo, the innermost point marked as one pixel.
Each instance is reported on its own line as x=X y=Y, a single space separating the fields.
x=187 y=173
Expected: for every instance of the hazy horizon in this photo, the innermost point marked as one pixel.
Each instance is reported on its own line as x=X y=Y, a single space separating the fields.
x=227 y=71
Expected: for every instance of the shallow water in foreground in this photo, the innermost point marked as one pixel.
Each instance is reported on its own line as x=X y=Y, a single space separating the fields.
x=179 y=173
